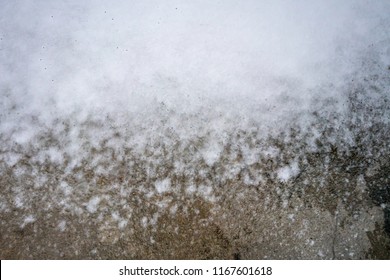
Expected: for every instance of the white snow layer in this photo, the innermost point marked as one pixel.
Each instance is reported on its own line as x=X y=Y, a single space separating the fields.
x=237 y=58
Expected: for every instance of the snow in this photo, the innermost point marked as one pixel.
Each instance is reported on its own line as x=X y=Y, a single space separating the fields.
x=28 y=220
x=288 y=172
x=191 y=189
x=230 y=66
x=122 y=224
x=62 y=225
x=291 y=217
x=205 y=191
x=162 y=185
x=144 y=222
x=65 y=188
x=321 y=254
x=173 y=209
x=24 y=136
x=199 y=96
x=19 y=201
x=93 y=204
x=3 y=205
x=211 y=152
x=55 y=155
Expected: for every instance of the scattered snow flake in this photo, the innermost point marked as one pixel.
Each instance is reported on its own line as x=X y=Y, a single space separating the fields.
x=144 y=222
x=3 y=205
x=67 y=190
x=19 y=201
x=211 y=153
x=62 y=225
x=291 y=217
x=93 y=204
x=205 y=190
x=115 y=215
x=173 y=209
x=288 y=172
x=191 y=189
x=122 y=224
x=55 y=155
x=28 y=220
x=162 y=185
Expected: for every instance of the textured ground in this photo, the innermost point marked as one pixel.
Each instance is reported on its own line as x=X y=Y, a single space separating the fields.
x=194 y=129
x=94 y=190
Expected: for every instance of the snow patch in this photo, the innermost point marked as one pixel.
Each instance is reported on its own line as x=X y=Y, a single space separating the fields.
x=19 y=201
x=321 y=253
x=173 y=209
x=288 y=172
x=144 y=222
x=62 y=225
x=205 y=191
x=67 y=190
x=122 y=224
x=162 y=185
x=93 y=204
x=191 y=189
x=28 y=220
x=3 y=205
x=211 y=153
x=55 y=155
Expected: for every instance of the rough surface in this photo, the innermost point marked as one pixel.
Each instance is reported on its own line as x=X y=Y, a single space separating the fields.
x=117 y=148
x=260 y=197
